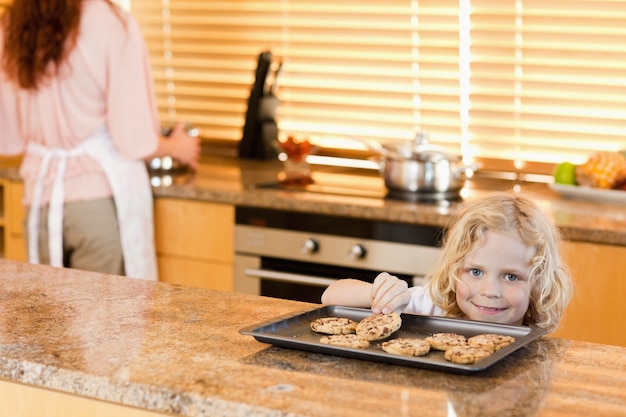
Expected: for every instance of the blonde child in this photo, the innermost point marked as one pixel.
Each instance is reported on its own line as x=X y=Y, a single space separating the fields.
x=501 y=263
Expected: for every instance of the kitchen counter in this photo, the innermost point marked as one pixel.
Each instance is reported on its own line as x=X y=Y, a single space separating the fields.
x=361 y=193
x=177 y=350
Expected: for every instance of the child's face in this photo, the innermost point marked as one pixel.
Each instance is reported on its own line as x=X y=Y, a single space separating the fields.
x=494 y=280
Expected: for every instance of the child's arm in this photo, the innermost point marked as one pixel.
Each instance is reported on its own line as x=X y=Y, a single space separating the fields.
x=348 y=292
x=387 y=294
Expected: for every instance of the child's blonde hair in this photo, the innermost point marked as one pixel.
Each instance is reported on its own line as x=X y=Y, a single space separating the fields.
x=551 y=286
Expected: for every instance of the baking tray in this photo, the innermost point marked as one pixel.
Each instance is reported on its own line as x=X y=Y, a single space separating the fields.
x=294 y=331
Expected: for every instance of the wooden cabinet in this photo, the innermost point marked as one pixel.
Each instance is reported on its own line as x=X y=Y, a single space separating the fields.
x=597 y=310
x=21 y=400
x=13 y=243
x=194 y=242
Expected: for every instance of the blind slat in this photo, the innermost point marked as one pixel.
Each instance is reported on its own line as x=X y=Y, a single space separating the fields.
x=345 y=63
x=525 y=80
x=547 y=79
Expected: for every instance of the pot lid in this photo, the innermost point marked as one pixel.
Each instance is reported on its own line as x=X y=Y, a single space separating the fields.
x=418 y=149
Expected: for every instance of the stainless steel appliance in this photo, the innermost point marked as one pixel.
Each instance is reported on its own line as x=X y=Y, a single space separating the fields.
x=295 y=255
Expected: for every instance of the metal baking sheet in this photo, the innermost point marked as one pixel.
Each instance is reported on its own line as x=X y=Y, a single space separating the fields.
x=294 y=331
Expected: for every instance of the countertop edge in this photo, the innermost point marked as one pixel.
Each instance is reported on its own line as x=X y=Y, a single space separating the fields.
x=229 y=183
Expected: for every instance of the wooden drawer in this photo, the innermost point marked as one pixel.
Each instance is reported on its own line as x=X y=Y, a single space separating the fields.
x=13 y=221
x=15 y=193
x=196 y=273
x=194 y=229
x=597 y=310
x=195 y=243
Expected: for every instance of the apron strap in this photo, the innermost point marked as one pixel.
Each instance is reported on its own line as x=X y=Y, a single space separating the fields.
x=55 y=210
x=33 y=215
x=130 y=185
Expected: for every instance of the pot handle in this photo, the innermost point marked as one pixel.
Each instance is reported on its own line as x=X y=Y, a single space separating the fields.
x=372 y=145
x=380 y=161
x=464 y=169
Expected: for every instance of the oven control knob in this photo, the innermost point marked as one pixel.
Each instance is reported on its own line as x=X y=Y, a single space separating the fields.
x=310 y=246
x=358 y=251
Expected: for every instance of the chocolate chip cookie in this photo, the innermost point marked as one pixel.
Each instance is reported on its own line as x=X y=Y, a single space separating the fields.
x=445 y=341
x=466 y=354
x=333 y=325
x=491 y=342
x=345 y=340
x=378 y=326
x=406 y=346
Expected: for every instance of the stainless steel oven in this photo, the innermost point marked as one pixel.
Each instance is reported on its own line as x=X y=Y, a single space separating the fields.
x=295 y=255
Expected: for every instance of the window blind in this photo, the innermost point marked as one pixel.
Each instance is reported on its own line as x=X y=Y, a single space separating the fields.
x=547 y=79
x=516 y=81
x=350 y=68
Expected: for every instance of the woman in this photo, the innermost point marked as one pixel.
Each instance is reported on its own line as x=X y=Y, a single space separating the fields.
x=76 y=97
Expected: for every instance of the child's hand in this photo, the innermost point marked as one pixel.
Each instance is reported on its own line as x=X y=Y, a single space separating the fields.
x=389 y=294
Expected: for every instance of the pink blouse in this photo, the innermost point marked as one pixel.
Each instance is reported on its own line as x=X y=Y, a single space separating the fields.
x=105 y=82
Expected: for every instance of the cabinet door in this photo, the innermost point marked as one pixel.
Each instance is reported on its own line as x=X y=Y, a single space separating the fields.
x=195 y=242
x=16 y=248
x=15 y=241
x=20 y=400
x=3 y=228
x=597 y=310
x=193 y=229
x=196 y=273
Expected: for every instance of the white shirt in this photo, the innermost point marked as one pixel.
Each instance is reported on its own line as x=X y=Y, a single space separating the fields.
x=421 y=303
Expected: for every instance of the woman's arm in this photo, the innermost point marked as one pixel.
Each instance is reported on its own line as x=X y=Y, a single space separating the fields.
x=11 y=142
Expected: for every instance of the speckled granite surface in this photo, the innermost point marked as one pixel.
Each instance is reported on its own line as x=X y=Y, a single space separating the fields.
x=234 y=181
x=178 y=350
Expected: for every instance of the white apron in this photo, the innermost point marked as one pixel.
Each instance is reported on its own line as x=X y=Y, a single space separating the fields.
x=133 y=201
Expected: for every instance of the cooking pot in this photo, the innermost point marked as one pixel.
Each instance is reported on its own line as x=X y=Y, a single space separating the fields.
x=420 y=167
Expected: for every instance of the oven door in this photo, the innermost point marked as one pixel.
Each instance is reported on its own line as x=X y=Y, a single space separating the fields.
x=295 y=280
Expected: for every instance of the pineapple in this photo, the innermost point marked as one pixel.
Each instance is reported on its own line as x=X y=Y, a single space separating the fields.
x=602 y=170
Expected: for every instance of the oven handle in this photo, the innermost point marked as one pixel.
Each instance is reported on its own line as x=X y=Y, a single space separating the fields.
x=286 y=277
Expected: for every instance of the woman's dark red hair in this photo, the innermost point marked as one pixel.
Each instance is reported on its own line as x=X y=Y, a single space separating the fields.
x=36 y=34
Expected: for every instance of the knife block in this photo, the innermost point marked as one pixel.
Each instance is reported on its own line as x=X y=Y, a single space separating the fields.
x=260 y=129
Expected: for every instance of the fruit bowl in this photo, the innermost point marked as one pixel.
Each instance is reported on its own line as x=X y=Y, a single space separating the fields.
x=601 y=178
x=597 y=195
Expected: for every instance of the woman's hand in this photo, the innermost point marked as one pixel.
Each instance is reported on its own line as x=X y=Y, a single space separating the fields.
x=184 y=148
x=389 y=293
x=180 y=146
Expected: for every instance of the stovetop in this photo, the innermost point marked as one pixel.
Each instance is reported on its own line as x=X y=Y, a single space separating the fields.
x=361 y=184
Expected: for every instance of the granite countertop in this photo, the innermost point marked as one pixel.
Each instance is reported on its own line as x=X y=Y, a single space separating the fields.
x=178 y=350
x=361 y=193
x=252 y=183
